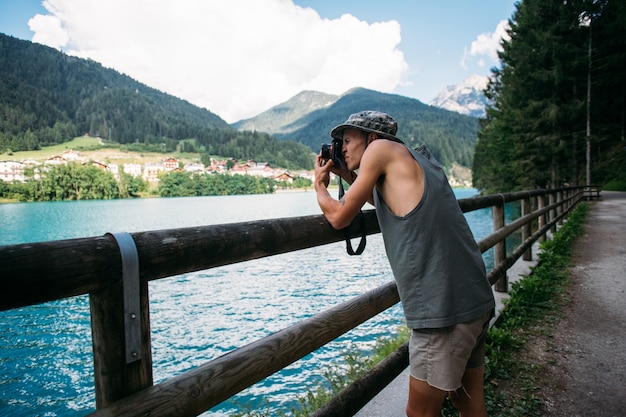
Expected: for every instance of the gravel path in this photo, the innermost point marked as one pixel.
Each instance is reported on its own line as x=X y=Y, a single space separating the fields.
x=586 y=359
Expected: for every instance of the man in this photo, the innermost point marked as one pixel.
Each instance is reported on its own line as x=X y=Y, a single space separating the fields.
x=437 y=265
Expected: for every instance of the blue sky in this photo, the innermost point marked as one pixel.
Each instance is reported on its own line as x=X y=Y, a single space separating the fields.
x=240 y=57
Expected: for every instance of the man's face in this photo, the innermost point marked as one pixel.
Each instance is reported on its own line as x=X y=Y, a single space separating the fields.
x=353 y=147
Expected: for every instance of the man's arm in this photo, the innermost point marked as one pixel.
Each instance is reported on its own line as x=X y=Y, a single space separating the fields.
x=340 y=213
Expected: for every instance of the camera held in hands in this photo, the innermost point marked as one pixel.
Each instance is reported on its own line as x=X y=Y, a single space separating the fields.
x=333 y=151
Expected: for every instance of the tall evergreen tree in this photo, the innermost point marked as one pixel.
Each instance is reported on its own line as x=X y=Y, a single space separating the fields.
x=608 y=93
x=534 y=133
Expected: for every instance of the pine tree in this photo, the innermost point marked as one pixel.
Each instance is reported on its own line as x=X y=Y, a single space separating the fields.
x=534 y=133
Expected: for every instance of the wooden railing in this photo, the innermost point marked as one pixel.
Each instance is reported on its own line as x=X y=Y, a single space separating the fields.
x=115 y=270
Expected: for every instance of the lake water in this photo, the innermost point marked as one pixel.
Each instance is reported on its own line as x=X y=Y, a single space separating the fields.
x=45 y=350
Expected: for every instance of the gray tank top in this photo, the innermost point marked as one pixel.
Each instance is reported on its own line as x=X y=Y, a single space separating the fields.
x=435 y=260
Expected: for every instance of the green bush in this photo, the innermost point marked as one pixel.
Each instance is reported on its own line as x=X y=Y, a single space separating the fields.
x=615 y=185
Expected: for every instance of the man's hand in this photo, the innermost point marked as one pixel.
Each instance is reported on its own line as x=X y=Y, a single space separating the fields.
x=322 y=171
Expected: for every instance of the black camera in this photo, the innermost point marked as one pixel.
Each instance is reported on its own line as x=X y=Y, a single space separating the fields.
x=333 y=151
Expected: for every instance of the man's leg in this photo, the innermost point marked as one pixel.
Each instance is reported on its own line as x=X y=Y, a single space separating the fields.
x=424 y=400
x=470 y=398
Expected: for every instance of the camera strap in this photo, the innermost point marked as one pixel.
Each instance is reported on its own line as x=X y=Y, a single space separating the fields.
x=346 y=230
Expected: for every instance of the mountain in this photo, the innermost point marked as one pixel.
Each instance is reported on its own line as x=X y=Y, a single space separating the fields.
x=450 y=136
x=42 y=87
x=465 y=98
x=48 y=97
x=285 y=117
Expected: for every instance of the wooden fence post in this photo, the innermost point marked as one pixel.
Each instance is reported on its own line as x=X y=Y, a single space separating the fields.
x=559 y=209
x=526 y=229
x=552 y=200
x=541 y=202
x=115 y=375
x=499 y=250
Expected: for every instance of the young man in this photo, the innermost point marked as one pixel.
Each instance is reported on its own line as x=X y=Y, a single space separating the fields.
x=437 y=265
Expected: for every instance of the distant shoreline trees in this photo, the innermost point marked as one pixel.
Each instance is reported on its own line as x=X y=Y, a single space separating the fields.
x=75 y=181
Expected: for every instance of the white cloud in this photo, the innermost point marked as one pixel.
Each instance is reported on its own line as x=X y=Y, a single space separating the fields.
x=487 y=46
x=237 y=57
x=48 y=31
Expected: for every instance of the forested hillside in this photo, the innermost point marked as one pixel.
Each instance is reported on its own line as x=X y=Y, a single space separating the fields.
x=559 y=99
x=449 y=135
x=48 y=97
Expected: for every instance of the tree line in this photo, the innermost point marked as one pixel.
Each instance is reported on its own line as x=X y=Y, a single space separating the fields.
x=76 y=181
x=558 y=101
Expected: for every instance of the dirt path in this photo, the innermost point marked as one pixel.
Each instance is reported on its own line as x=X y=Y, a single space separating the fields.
x=585 y=360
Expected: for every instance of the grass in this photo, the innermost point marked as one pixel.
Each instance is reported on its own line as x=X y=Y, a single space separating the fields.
x=78 y=143
x=93 y=148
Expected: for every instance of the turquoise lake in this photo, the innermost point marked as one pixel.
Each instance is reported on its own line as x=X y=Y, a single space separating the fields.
x=46 y=352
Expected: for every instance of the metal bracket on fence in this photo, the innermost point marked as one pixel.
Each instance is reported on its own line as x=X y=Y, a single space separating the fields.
x=132 y=302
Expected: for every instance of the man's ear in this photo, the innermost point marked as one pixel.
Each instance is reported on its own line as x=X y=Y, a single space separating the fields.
x=371 y=137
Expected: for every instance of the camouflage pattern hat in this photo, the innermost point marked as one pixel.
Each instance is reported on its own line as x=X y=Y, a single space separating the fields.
x=369 y=121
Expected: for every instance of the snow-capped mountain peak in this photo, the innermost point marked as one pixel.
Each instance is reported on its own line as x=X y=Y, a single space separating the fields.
x=465 y=98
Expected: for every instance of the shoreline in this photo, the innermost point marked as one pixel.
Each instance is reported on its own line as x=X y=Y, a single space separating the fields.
x=277 y=191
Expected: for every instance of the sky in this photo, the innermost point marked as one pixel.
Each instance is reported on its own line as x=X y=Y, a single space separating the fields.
x=238 y=58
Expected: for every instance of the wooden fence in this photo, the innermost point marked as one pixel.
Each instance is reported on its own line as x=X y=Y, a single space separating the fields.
x=115 y=269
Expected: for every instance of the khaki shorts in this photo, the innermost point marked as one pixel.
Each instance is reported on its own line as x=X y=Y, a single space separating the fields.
x=441 y=356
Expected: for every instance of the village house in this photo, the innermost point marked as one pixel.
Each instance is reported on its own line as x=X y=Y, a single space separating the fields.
x=100 y=165
x=217 y=166
x=65 y=157
x=134 y=170
x=15 y=171
x=152 y=170
x=11 y=171
x=284 y=176
x=115 y=170
x=261 y=169
x=72 y=156
x=55 y=160
x=30 y=163
x=239 y=169
x=459 y=183
x=170 y=164
x=194 y=168
x=310 y=175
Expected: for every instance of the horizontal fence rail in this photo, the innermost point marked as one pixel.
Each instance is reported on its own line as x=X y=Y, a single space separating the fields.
x=115 y=269
x=49 y=271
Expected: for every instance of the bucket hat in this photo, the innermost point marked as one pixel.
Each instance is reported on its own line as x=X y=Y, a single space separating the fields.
x=369 y=121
